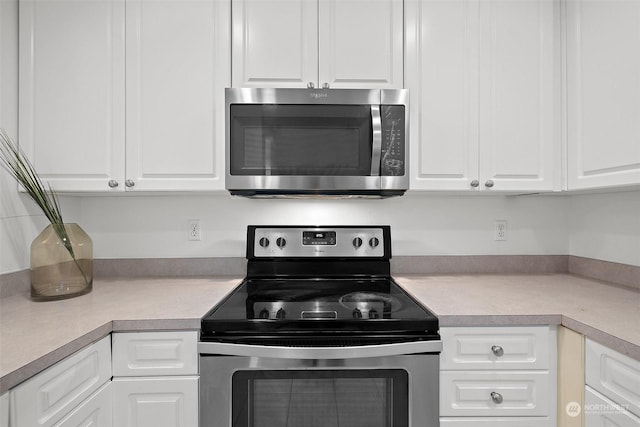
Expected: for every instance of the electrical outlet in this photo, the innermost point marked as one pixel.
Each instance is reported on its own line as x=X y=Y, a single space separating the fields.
x=194 y=230
x=500 y=230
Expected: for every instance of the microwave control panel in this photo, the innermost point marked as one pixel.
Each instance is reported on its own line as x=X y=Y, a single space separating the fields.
x=393 y=140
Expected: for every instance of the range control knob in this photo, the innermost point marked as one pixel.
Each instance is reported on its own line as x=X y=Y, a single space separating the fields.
x=374 y=242
x=281 y=242
x=264 y=242
x=281 y=314
x=357 y=242
x=264 y=314
x=357 y=314
x=373 y=314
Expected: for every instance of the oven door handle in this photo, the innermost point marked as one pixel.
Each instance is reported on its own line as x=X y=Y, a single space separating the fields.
x=355 y=352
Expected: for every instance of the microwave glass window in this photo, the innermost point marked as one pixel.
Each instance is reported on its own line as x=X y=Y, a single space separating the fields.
x=322 y=398
x=300 y=140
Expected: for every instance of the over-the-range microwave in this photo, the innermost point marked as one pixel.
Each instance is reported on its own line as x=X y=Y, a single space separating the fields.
x=317 y=142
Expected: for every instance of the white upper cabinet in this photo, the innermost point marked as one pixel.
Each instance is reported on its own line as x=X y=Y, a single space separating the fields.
x=342 y=43
x=484 y=82
x=71 y=86
x=73 y=103
x=603 y=90
x=177 y=67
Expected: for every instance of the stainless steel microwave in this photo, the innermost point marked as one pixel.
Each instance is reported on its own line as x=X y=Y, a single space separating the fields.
x=318 y=142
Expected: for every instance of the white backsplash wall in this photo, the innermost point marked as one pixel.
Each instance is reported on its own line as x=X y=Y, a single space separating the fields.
x=421 y=224
x=605 y=226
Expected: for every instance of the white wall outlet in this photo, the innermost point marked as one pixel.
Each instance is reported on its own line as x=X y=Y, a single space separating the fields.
x=194 y=231
x=500 y=230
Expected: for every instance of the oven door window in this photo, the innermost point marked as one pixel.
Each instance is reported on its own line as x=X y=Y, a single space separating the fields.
x=300 y=140
x=320 y=398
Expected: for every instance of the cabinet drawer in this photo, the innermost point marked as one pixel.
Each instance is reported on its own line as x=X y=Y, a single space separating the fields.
x=495 y=348
x=47 y=397
x=614 y=375
x=469 y=393
x=602 y=412
x=155 y=401
x=155 y=353
x=96 y=411
x=495 y=421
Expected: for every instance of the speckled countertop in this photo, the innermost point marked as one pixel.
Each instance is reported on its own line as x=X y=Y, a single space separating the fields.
x=35 y=335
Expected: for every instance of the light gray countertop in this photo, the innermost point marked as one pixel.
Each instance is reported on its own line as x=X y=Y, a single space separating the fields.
x=35 y=335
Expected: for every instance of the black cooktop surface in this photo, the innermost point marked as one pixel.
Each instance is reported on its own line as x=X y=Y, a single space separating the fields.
x=319 y=306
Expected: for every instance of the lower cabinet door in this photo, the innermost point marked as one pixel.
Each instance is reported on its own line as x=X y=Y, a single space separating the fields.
x=494 y=421
x=602 y=412
x=96 y=411
x=155 y=401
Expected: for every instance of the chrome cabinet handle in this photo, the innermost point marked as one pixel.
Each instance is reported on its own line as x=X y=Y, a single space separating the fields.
x=129 y=183
x=496 y=397
x=325 y=85
x=475 y=183
x=489 y=184
x=497 y=350
x=310 y=85
x=376 y=149
x=112 y=183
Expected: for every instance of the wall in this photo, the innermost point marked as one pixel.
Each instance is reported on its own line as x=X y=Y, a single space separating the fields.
x=605 y=226
x=422 y=224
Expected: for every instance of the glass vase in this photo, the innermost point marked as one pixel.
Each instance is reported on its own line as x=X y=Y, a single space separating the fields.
x=55 y=273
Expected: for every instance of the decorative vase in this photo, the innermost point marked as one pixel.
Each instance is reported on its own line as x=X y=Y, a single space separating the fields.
x=55 y=273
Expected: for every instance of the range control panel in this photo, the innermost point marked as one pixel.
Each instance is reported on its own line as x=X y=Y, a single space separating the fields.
x=318 y=241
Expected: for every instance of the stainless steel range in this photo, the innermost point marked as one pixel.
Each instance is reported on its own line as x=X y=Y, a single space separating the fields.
x=319 y=334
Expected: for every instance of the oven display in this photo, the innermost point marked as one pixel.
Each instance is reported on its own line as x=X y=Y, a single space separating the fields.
x=319 y=238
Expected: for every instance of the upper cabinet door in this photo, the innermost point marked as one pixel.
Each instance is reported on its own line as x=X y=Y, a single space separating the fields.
x=484 y=80
x=603 y=90
x=361 y=43
x=177 y=68
x=274 y=43
x=72 y=92
x=442 y=77
x=294 y=43
x=520 y=145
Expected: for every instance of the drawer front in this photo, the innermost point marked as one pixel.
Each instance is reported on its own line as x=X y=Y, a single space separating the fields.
x=155 y=401
x=155 y=353
x=602 y=412
x=495 y=421
x=614 y=375
x=500 y=393
x=517 y=347
x=96 y=411
x=47 y=397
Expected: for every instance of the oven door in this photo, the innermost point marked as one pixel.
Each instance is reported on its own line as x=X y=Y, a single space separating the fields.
x=379 y=391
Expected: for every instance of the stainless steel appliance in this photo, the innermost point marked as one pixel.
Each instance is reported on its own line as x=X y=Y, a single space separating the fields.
x=292 y=142
x=319 y=334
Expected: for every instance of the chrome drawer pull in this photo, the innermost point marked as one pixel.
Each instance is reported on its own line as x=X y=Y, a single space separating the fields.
x=496 y=397
x=497 y=350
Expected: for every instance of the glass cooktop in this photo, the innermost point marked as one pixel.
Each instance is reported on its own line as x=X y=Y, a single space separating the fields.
x=351 y=305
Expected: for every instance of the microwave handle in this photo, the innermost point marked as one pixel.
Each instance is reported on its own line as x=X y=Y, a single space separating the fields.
x=376 y=149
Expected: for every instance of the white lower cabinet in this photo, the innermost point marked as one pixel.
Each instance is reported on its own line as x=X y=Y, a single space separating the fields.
x=48 y=398
x=502 y=376
x=155 y=379
x=612 y=390
x=155 y=401
x=4 y=410
x=96 y=411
